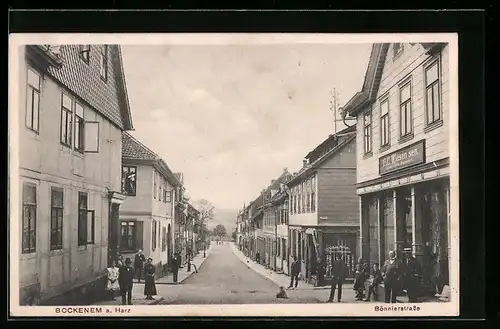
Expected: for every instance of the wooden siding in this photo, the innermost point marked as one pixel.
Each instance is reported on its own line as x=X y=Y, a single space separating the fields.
x=408 y=65
x=337 y=199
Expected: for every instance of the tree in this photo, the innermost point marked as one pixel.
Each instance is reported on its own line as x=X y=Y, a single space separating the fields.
x=206 y=210
x=219 y=231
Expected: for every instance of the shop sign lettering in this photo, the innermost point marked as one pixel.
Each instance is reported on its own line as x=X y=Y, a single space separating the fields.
x=406 y=157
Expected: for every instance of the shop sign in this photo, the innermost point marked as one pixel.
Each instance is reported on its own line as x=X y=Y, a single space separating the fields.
x=406 y=157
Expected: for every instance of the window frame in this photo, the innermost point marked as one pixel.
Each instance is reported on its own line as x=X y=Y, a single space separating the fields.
x=103 y=63
x=385 y=117
x=128 y=224
x=84 y=52
x=58 y=211
x=33 y=206
x=124 y=191
x=79 y=121
x=408 y=108
x=31 y=91
x=83 y=215
x=65 y=114
x=368 y=127
x=434 y=61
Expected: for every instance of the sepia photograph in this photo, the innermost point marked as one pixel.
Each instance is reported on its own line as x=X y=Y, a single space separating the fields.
x=234 y=175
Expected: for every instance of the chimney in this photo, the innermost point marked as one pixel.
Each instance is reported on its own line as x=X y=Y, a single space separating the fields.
x=304 y=162
x=285 y=170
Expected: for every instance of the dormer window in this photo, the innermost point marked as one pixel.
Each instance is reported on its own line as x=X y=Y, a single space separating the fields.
x=85 y=53
x=397 y=49
x=103 y=63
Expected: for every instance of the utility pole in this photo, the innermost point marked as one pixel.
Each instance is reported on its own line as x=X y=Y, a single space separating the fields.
x=333 y=107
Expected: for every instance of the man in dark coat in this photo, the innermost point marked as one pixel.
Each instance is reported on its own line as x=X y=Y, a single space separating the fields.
x=139 y=265
x=412 y=272
x=126 y=281
x=175 y=266
x=391 y=273
x=339 y=273
x=294 y=272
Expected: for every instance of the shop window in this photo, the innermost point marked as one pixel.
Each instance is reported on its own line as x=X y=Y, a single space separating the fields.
x=372 y=205
x=388 y=211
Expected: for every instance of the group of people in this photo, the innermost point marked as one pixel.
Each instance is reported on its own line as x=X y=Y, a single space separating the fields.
x=396 y=274
x=121 y=275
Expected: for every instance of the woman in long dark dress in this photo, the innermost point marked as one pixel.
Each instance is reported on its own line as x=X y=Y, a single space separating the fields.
x=149 y=282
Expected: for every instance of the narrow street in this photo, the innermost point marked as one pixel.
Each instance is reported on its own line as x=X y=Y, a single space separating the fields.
x=224 y=279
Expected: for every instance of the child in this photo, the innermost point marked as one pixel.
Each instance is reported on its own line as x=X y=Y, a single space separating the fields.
x=281 y=293
x=376 y=280
x=359 y=281
x=113 y=275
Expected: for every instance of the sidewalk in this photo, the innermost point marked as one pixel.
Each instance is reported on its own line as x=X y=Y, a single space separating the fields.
x=138 y=297
x=183 y=274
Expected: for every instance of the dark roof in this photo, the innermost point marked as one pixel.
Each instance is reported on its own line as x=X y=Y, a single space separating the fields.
x=329 y=140
x=343 y=141
x=109 y=98
x=373 y=75
x=133 y=149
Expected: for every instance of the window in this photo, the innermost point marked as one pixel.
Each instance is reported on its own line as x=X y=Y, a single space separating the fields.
x=66 y=120
x=163 y=238
x=56 y=218
x=405 y=110
x=85 y=53
x=384 y=122
x=128 y=235
x=79 y=128
x=129 y=182
x=432 y=97
x=103 y=63
x=33 y=100
x=154 y=184
x=86 y=221
x=313 y=201
x=367 y=123
x=397 y=48
x=29 y=218
x=153 y=242
x=168 y=196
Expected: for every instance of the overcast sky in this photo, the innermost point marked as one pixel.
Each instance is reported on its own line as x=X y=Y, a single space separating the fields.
x=231 y=117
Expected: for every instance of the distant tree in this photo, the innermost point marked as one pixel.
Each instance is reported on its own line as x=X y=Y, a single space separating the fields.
x=220 y=231
x=206 y=210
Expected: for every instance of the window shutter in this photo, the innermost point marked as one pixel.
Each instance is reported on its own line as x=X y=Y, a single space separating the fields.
x=139 y=234
x=91 y=136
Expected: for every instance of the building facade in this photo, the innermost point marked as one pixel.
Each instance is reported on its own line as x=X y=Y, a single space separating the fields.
x=280 y=204
x=323 y=207
x=403 y=155
x=74 y=109
x=147 y=215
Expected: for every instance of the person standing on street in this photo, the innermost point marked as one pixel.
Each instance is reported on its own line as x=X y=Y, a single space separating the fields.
x=294 y=273
x=113 y=273
x=149 y=279
x=376 y=280
x=339 y=272
x=139 y=265
x=391 y=273
x=126 y=280
x=411 y=276
x=175 y=266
